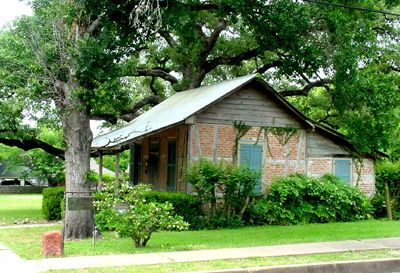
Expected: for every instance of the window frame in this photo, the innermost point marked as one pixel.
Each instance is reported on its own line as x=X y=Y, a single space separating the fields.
x=350 y=165
x=262 y=178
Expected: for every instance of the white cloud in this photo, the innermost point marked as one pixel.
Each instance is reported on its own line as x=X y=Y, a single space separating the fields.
x=10 y=9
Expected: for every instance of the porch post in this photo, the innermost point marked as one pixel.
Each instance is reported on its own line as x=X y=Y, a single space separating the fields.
x=117 y=155
x=100 y=180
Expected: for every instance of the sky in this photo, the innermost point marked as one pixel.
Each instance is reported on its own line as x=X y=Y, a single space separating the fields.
x=10 y=9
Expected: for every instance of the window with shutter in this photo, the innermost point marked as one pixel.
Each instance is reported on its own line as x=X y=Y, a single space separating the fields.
x=251 y=155
x=343 y=169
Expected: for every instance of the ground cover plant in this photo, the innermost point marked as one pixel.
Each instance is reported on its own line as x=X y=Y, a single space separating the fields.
x=246 y=263
x=20 y=207
x=26 y=242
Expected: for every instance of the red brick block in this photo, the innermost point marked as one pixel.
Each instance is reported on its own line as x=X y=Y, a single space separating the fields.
x=52 y=244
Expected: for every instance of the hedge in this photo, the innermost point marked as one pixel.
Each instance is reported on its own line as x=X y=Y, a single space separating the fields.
x=185 y=205
x=51 y=203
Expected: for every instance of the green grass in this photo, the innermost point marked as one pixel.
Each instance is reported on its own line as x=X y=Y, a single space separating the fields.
x=26 y=242
x=246 y=263
x=17 y=207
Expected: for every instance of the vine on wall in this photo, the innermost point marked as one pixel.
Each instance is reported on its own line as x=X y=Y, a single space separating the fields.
x=282 y=134
x=240 y=130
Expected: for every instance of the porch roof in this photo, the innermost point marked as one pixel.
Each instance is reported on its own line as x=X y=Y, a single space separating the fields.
x=171 y=111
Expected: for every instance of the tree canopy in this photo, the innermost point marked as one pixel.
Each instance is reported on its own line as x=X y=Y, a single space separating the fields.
x=76 y=60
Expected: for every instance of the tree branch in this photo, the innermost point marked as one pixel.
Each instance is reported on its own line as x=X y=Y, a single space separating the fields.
x=268 y=66
x=305 y=90
x=152 y=88
x=94 y=25
x=167 y=37
x=30 y=144
x=231 y=60
x=160 y=73
x=205 y=6
x=130 y=113
x=209 y=43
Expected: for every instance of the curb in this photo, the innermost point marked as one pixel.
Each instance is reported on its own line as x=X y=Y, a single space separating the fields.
x=368 y=266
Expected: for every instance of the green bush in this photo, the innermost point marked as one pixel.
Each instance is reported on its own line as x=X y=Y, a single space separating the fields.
x=93 y=177
x=51 y=203
x=230 y=184
x=185 y=205
x=135 y=217
x=298 y=199
x=387 y=172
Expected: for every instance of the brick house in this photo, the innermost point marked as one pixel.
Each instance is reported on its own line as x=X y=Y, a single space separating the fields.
x=270 y=134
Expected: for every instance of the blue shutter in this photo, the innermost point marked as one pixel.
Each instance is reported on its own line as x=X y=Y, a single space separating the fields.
x=245 y=154
x=256 y=164
x=251 y=155
x=343 y=169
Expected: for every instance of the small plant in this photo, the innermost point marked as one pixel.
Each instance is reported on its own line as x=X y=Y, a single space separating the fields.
x=132 y=216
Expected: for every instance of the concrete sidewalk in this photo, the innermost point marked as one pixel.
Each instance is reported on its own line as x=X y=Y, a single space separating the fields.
x=9 y=258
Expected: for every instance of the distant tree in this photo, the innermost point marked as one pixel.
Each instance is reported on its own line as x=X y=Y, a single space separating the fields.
x=35 y=163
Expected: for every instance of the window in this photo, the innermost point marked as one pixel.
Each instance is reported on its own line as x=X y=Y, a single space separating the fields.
x=251 y=155
x=171 y=165
x=136 y=164
x=153 y=163
x=343 y=169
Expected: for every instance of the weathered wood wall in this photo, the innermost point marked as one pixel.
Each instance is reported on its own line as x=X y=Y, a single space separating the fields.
x=250 y=106
x=320 y=146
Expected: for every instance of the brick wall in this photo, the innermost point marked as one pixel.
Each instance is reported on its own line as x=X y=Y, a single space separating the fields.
x=319 y=166
x=279 y=159
x=366 y=180
x=177 y=133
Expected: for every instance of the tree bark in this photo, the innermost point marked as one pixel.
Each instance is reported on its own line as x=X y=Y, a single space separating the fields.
x=79 y=224
x=388 y=202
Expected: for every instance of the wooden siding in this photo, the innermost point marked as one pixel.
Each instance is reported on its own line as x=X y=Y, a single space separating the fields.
x=250 y=106
x=320 y=146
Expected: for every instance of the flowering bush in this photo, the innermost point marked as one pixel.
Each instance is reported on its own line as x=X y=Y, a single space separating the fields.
x=130 y=215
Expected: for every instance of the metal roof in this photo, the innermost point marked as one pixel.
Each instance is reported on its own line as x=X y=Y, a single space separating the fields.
x=173 y=110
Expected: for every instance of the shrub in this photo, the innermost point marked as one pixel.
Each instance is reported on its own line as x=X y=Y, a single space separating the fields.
x=299 y=199
x=131 y=215
x=232 y=184
x=387 y=172
x=51 y=203
x=185 y=205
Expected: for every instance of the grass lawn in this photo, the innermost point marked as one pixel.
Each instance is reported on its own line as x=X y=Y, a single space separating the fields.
x=245 y=263
x=26 y=242
x=17 y=207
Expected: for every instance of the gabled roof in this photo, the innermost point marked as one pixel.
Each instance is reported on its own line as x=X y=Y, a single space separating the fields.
x=185 y=104
x=171 y=111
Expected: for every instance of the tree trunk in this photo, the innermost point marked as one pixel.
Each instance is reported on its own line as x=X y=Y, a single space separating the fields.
x=78 y=137
x=388 y=201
